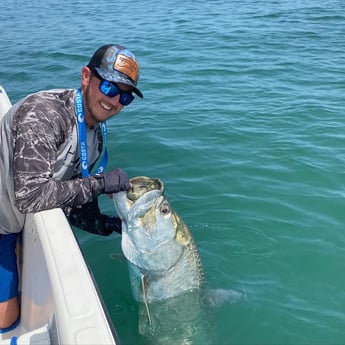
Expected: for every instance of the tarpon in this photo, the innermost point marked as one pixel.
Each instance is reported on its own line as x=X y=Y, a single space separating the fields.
x=157 y=242
x=164 y=263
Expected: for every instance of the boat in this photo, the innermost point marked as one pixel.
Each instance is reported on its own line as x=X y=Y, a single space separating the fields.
x=60 y=301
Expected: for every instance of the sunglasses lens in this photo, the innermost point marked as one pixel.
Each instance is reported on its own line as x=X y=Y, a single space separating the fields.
x=126 y=98
x=111 y=90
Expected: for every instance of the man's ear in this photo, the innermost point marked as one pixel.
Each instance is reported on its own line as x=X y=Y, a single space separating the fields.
x=85 y=76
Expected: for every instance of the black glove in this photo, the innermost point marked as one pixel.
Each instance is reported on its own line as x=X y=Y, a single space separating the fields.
x=111 y=224
x=115 y=181
x=88 y=217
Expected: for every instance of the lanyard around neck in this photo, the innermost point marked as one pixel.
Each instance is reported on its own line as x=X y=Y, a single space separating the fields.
x=83 y=152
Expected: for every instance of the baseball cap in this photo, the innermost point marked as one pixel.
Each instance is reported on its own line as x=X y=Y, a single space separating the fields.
x=117 y=64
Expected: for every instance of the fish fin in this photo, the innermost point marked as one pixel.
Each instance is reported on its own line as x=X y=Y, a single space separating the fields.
x=144 y=287
x=218 y=297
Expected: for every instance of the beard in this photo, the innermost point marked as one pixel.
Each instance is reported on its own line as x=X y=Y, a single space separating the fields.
x=88 y=113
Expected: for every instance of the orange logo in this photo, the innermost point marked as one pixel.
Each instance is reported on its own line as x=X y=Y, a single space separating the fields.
x=126 y=65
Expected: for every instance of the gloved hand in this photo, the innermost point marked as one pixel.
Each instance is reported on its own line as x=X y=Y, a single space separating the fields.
x=115 y=181
x=111 y=224
x=88 y=217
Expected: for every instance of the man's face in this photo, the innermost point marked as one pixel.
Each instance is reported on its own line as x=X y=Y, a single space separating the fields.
x=98 y=107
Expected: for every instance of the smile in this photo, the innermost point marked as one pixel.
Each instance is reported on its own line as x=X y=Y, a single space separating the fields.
x=106 y=106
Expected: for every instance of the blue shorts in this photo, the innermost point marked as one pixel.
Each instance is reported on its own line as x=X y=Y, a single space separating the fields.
x=8 y=267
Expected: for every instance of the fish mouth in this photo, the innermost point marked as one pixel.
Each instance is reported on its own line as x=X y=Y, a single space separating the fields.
x=141 y=185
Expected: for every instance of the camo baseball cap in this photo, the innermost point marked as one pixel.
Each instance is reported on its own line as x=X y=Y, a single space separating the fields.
x=117 y=64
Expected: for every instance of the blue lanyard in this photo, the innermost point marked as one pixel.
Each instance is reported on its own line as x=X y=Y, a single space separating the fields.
x=84 y=158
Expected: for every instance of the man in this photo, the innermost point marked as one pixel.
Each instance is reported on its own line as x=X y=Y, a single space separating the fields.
x=52 y=154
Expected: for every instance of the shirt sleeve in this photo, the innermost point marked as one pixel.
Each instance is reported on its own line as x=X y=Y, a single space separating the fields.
x=39 y=128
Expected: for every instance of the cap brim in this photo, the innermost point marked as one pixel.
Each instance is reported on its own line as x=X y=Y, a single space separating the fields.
x=118 y=77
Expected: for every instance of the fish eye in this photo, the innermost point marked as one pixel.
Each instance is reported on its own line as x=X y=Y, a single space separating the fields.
x=165 y=208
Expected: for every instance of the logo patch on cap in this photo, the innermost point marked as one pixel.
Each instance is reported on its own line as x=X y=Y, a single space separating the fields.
x=127 y=66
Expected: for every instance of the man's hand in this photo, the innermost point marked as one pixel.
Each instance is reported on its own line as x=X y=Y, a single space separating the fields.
x=115 y=181
x=111 y=224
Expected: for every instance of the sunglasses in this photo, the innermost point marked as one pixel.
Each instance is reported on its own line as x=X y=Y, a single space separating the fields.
x=111 y=90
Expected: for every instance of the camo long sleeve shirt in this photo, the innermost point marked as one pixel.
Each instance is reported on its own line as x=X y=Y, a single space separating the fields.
x=39 y=158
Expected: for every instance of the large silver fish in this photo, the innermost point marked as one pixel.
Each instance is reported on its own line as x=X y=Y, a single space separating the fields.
x=156 y=241
x=164 y=265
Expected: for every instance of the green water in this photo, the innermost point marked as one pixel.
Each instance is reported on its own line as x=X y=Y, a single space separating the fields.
x=243 y=120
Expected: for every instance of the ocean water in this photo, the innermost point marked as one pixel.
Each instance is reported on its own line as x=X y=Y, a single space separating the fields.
x=243 y=120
